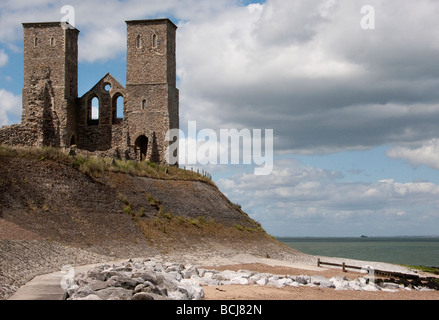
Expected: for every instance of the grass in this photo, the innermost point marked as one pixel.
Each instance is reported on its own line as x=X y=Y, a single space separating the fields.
x=96 y=167
x=178 y=230
x=163 y=223
x=434 y=270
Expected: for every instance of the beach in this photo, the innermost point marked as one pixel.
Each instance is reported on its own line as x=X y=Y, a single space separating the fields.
x=245 y=292
x=24 y=255
x=253 y=265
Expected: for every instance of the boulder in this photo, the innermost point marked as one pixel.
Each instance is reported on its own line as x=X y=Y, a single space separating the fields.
x=303 y=279
x=115 y=293
x=321 y=281
x=142 y=296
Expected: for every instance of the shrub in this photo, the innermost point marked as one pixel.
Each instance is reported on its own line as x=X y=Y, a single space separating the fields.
x=128 y=210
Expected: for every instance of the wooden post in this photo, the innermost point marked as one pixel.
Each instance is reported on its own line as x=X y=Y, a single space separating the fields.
x=344 y=267
x=318 y=262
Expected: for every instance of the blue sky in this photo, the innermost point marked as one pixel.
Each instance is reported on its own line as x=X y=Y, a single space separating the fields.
x=355 y=112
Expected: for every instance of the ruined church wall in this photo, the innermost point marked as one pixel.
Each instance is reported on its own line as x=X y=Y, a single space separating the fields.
x=50 y=61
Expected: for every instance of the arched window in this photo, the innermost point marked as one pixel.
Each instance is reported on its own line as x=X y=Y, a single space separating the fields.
x=36 y=42
x=52 y=41
x=143 y=104
x=138 y=41
x=154 y=40
x=95 y=108
x=119 y=104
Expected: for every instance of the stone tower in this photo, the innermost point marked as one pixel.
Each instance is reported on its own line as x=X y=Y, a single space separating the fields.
x=151 y=102
x=50 y=83
x=54 y=115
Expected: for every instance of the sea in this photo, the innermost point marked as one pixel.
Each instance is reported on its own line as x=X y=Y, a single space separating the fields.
x=416 y=251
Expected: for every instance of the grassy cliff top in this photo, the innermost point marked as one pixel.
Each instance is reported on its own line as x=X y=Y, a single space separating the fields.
x=96 y=166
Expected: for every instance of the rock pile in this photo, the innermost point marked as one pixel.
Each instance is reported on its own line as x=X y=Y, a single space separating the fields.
x=142 y=279
x=146 y=279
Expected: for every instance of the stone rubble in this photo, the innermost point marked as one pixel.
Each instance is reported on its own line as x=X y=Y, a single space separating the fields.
x=146 y=279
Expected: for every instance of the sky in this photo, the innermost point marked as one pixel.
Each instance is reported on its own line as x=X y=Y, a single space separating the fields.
x=352 y=97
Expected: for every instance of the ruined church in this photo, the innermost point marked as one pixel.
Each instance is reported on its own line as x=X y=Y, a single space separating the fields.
x=54 y=115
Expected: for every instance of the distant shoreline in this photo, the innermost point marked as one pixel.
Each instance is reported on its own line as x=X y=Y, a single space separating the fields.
x=355 y=237
x=403 y=250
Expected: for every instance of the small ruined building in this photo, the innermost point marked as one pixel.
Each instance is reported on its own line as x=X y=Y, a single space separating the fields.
x=54 y=115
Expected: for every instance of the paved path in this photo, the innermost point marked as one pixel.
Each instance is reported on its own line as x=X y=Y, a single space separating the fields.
x=45 y=287
x=48 y=286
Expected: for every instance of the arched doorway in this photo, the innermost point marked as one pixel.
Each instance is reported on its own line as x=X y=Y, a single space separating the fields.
x=73 y=140
x=141 y=148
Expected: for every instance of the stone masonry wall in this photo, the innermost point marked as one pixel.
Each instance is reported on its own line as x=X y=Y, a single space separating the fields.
x=50 y=56
x=53 y=115
x=152 y=98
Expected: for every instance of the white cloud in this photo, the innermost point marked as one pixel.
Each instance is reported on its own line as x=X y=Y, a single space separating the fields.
x=101 y=44
x=10 y=106
x=309 y=71
x=427 y=154
x=303 y=68
x=295 y=195
x=3 y=58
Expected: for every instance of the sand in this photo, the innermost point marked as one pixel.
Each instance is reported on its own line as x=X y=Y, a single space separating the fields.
x=279 y=267
x=247 y=292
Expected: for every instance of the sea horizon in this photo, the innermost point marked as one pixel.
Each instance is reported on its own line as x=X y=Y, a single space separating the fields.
x=360 y=236
x=406 y=250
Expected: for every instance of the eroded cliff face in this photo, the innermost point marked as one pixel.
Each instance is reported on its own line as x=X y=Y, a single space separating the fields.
x=53 y=215
x=119 y=214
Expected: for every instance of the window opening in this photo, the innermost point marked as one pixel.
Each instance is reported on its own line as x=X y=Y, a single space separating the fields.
x=119 y=107
x=95 y=108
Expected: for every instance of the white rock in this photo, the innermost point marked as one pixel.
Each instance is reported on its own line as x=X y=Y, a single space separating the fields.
x=354 y=285
x=90 y=297
x=194 y=290
x=177 y=295
x=303 y=279
x=285 y=282
x=371 y=287
x=239 y=280
x=225 y=275
x=262 y=281
x=275 y=283
x=340 y=283
x=245 y=273
x=321 y=281
x=426 y=289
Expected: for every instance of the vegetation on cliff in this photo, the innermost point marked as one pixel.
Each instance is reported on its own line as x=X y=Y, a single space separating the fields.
x=118 y=207
x=95 y=166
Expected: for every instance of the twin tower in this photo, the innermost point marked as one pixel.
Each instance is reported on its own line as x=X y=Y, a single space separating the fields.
x=54 y=115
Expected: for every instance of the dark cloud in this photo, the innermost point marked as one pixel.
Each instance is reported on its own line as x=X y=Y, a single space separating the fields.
x=321 y=81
